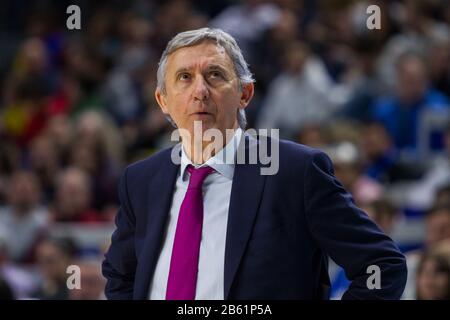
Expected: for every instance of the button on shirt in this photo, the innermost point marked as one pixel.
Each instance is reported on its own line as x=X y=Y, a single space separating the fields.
x=216 y=202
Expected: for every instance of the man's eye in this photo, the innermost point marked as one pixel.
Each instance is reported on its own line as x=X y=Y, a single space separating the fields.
x=215 y=75
x=184 y=76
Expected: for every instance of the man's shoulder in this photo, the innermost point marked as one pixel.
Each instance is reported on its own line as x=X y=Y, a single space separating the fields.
x=151 y=163
x=292 y=153
x=303 y=157
x=290 y=148
x=298 y=149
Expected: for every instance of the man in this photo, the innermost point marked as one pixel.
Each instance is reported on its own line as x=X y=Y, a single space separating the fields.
x=247 y=235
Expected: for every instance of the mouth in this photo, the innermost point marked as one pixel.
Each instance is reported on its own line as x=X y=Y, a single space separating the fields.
x=201 y=114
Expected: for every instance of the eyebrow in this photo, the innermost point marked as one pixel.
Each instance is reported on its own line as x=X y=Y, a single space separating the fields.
x=216 y=67
x=209 y=68
x=181 y=70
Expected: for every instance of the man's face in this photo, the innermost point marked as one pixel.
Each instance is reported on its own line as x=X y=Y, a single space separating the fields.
x=432 y=283
x=375 y=141
x=412 y=80
x=437 y=227
x=201 y=85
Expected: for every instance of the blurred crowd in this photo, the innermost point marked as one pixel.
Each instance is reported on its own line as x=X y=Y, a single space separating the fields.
x=77 y=106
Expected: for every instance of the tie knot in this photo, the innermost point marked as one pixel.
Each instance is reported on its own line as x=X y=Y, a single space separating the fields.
x=198 y=176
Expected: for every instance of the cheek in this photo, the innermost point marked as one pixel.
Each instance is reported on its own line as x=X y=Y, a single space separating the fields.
x=227 y=113
x=228 y=102
x=176 y=106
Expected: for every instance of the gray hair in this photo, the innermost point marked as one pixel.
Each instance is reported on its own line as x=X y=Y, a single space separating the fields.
x=225 y=40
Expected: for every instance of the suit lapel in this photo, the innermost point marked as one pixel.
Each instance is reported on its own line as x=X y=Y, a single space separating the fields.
x=160 y=194
x=246 y=192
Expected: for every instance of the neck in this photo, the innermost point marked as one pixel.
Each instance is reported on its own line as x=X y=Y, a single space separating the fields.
x=199 y=151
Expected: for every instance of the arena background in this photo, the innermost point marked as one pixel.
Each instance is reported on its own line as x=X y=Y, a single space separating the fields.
x=77 y=106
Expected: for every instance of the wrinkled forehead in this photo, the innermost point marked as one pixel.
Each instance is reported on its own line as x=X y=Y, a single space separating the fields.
x=203 y=55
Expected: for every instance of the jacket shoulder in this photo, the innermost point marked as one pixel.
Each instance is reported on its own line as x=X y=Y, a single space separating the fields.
x=149 y=165
x=292 y=150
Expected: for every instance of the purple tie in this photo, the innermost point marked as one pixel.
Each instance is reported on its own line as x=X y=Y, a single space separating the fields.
x=182 y=279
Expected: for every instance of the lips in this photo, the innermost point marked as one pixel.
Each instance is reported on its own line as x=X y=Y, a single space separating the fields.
x=201 y=113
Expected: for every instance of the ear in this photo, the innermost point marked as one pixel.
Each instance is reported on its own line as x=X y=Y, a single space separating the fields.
x=246 y=95
x=162 y=100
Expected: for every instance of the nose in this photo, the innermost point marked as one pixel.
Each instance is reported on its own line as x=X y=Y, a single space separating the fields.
x=201 y=91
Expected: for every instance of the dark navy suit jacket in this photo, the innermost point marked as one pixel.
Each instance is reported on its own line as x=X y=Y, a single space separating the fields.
x=281 y=228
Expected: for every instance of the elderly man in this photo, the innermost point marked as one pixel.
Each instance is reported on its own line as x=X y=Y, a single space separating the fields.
x=211 y=228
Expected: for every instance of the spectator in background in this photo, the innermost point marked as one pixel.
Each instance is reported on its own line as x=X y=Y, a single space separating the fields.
x=73 y=198
x=442 y=195
x=54 y=255
x=367 y=88
x=313 y=136
x=439 y=54
x=23 y=218
x=247 y=21
x=92 y=281
x=26 y=116
x=299 y=95
x=43 y=160
x=381 y=158
x=9 y=162
x=33 y=59
x=432 y=186
x=60 y=130
x=97 y=151
x=415 y=30
x=348 y=169
x=122 y=89
x=384 y=213
x=65 y=97
x=175 y=16
x=98 y=128
x=437 y=226
x=31 y=82
x=92 y=159
x=16 y=280
x=83 y=74
x=400 y=112
x=433 y=277
x=271 y=47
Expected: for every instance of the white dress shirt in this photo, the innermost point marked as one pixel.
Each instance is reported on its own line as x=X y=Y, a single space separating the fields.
x=216 y=202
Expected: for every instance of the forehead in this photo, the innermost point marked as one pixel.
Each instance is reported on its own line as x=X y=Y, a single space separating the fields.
x=199 y=55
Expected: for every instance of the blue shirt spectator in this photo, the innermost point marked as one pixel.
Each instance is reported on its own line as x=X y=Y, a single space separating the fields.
x=402 y=120
x=400 y=112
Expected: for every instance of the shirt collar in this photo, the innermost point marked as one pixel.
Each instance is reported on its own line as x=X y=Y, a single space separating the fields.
x=222 y=162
